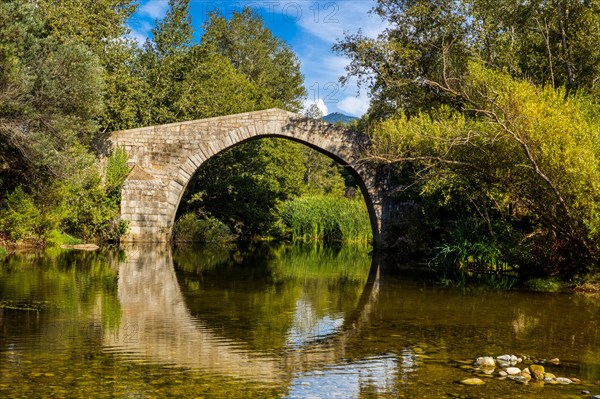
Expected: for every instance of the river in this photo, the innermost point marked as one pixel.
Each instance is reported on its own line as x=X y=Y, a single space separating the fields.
x=273 y=321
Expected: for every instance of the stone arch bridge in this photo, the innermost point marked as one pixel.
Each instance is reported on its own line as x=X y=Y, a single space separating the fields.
x=164 y=159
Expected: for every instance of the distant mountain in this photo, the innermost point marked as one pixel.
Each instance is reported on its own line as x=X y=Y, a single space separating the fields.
x=337 y=117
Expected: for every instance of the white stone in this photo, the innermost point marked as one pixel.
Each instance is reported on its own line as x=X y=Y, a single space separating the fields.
x=486 y=361
x=564 y=381
x=513 y=370
x=504 y=358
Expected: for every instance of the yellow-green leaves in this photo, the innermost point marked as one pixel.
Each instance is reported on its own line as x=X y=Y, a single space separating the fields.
x=519 y=144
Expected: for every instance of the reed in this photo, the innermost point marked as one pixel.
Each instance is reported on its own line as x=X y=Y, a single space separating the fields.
x=328 y=218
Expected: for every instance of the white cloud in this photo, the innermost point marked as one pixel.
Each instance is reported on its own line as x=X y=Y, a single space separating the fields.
x=320 y=103
x=356 y=106
x=155 y=9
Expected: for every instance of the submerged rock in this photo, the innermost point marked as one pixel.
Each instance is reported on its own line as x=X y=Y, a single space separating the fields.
x=513 y=370
x=472 y=381
x=564 y=381
x=537 y=371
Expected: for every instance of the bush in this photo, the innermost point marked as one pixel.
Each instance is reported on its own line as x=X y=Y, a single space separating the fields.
x=551 y=284
x=19 y=217
x=190 y=229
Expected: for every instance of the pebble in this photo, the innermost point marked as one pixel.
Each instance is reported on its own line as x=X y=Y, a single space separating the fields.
x=502 y=373
x=513 y=370
x=520 y=378
x=586 y=392
x=504 y=358
x=549 y=375
x=472 y=381
x=596 y=397
x=486 y=361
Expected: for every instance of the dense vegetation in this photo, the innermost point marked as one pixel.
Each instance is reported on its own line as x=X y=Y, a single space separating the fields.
x=488 y=113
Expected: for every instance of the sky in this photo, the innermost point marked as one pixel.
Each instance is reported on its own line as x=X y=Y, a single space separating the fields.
x=309 y=27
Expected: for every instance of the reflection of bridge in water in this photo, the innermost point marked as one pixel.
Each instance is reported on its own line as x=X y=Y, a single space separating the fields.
x=157 y=327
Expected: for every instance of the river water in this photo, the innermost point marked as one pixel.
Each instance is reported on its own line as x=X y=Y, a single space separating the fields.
x=272 y=322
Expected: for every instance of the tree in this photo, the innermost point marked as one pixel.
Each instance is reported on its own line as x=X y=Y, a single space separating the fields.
x=522 y=158
x=255 y=52
x=100 y=26
x=426 y=39
x=244 y=186
x=50 y=94
x=547 y=42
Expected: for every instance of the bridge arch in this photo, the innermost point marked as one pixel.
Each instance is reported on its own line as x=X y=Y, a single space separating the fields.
x=164 y=159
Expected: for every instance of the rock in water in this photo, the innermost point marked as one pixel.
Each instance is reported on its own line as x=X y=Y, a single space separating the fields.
x=513 y=370
x=537 y=371
x=472 y=381
x=504 y=358
x=564 y=381
x=486 y=361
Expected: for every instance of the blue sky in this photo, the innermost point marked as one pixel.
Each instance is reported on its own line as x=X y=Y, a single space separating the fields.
x=310 y=27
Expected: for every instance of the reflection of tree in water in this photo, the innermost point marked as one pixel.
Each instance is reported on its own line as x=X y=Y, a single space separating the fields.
x=69 y=281
x=258 y=300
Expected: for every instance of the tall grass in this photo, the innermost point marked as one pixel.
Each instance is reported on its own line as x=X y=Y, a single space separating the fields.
x=327 y=218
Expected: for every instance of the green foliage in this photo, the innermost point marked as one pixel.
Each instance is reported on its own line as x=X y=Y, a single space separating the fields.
x=469 y=255
x=51 y=93
x=56 y=238
x=207 y=231
x=549 y=284
x=329 y=218
x=116 y=173
x=254 y=51
x=243 y=186
x=19 y=217
x=547 y=42
x=525 y=156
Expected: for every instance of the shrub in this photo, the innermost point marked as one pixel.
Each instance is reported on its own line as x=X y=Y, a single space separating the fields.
x=19 y=217
x=191 y=229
